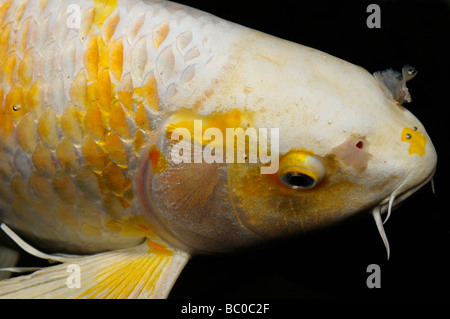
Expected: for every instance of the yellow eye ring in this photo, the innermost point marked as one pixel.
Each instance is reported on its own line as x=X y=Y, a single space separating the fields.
x=300 y=170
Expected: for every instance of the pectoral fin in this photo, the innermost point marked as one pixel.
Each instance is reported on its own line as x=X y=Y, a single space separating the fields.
x=8 y=258
x=146 y=271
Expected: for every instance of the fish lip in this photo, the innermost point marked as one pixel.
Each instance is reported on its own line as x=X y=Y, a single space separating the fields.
x=399 y=198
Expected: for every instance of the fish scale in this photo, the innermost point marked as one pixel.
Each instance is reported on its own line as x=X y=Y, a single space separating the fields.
x=76 y=111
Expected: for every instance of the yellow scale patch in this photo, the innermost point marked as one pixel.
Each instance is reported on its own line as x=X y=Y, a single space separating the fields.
x=416 y=140
x=157 y=159
x=186 y=119
x=222 y=121
x=81 y=157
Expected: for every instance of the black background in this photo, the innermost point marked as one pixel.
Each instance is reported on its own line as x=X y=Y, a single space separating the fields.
x=332 y=263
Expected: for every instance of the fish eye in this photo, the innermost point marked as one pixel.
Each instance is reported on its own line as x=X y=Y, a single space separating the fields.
x=300 y=170
x=298 y=180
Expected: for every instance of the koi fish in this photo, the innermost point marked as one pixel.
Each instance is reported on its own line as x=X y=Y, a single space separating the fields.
x=115 y=157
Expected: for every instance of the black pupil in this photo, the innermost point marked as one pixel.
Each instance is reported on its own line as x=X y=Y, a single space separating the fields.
x=298 y=180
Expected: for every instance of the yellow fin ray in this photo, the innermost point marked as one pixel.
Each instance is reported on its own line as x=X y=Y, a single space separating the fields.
x=145 y=271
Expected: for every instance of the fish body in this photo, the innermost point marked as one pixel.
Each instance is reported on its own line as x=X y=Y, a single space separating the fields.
x=81 y=102
x=92 y=93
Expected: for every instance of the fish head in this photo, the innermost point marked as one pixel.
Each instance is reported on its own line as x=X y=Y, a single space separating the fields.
x=346 y=143
x=338 y=139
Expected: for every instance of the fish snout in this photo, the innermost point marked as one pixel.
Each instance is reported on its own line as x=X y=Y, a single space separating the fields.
x=422 y=159
x=419 y=163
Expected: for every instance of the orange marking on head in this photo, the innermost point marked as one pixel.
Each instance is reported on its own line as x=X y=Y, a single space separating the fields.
x=222 y=121
x=158 y=161
x=416 y=139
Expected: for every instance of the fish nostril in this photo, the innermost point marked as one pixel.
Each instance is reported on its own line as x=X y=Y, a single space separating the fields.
x=360 y=145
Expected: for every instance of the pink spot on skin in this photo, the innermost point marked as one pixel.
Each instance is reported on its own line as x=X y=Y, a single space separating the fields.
x=353 y=152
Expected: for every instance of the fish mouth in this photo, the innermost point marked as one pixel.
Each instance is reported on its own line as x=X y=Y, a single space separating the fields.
x=390 y=202
x=396 y=199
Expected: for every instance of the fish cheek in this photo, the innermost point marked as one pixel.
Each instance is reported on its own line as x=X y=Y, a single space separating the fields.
x=188 y=206
x=272 y=210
